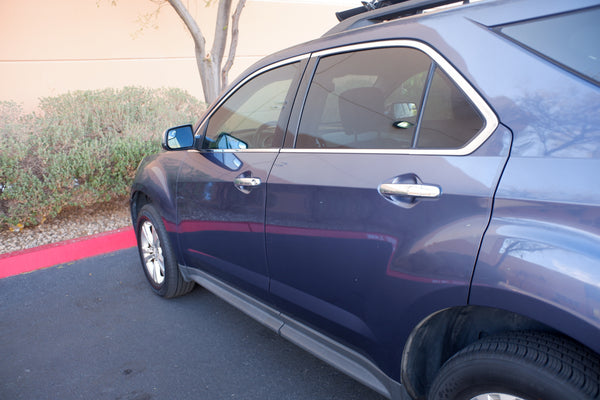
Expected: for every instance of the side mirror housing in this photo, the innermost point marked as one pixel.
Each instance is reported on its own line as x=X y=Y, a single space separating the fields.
x=178 y=138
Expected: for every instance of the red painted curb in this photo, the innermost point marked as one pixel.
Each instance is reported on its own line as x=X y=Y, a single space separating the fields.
x=28 y=260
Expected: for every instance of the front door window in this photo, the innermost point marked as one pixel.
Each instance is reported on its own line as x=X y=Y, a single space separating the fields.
x=249 y=119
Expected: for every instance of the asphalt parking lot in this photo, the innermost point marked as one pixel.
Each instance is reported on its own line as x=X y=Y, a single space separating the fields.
x=92 y=329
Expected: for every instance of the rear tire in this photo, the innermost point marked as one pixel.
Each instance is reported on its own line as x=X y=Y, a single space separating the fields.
x=157 y=256
x=521 y=365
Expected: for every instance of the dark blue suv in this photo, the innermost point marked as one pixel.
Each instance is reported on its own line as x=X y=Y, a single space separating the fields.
x=414 y=198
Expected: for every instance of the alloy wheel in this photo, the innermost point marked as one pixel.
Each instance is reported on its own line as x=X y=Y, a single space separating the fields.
x=496 y=396
x=152 y=253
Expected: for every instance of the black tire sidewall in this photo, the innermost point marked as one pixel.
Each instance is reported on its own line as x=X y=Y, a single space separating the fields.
x=475 y=374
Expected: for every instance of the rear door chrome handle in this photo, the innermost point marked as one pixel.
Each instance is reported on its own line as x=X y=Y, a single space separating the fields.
x=247 y=182
x=410 y=190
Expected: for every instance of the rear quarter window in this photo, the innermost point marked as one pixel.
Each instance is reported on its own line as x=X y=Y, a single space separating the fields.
x=570 y=40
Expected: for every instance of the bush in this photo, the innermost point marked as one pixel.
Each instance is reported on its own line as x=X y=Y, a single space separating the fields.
x=81 y=148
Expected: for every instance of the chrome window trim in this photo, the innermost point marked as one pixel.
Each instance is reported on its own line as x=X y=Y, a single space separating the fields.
x=489 y=117
x=490 y=120
x=265 y=150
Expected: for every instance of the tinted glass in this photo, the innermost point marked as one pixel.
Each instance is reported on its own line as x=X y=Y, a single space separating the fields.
x=250 y=118
x=449 y=119
x=568 y=39
x=366 y=99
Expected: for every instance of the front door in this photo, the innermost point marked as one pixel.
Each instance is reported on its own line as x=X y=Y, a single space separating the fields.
x=221 y=187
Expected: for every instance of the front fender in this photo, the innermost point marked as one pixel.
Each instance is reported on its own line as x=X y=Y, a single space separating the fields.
x=156 y=180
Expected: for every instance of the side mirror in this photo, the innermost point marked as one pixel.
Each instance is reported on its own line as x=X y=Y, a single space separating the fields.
x=178 y=138
x=226 y=141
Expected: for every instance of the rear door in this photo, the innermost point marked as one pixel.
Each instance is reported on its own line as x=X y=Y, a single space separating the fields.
x=221 y=188
x=376 y=209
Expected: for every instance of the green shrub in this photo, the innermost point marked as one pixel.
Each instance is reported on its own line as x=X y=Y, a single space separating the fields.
x=81 y=148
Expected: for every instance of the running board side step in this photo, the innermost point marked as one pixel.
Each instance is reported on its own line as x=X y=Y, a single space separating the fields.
x=339 y=356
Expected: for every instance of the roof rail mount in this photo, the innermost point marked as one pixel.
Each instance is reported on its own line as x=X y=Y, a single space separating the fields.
x=383 y=10
x=366 y=6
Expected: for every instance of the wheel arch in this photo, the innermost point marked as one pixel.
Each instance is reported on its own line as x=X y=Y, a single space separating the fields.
x=439 y=336
x=138 y=200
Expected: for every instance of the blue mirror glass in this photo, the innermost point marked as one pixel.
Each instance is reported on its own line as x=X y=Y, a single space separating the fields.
x=181 y=137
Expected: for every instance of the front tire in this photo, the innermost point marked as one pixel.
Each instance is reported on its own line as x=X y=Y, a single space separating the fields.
x=157 y=256
x=521 y=366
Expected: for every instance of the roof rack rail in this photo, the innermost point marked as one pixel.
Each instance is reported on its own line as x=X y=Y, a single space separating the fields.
x=366 y=6
x=373 y=12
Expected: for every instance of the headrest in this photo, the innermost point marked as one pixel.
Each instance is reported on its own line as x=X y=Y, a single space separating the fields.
x=363 y=110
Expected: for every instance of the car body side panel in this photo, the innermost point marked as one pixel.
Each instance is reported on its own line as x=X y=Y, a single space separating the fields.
x=541 y=254
x=221 y=228
x=156 y=178
x=338 y=257
x=367 y=270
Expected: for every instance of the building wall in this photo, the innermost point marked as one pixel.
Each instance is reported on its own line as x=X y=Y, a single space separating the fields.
x=52 y=47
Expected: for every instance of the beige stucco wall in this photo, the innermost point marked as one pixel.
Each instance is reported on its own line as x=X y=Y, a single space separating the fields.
x=52 y=47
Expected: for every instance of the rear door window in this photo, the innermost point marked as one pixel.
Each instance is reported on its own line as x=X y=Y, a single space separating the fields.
x=449 y=119
x=385 y=98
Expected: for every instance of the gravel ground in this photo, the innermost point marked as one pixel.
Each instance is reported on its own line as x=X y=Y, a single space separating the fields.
x=69 y=225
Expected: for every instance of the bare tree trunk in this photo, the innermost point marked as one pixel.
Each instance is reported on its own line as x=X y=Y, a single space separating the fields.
x=209 y=64
x=221 y=33
x=212 y=76
x=209 y=76
x=199 y=46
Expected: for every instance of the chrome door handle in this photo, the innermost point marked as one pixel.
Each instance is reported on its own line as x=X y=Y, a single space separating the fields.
x=246 y=181
x=410 y=190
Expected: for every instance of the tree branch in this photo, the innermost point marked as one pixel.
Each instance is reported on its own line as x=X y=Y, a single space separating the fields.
x=235 y=32
x=221 y=32
x=192 y=26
